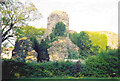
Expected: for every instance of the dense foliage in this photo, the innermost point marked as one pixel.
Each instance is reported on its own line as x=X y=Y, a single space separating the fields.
x=99 y=61
x=41 y=48
x=105 y=64
x=13 y=14
x=29 y=31
x=72 y=54
x=26 y=70
x=90 y=43
x=98 y=40
x=59 y=30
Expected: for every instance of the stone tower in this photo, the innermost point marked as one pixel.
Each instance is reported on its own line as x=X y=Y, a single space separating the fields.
x=55 y=17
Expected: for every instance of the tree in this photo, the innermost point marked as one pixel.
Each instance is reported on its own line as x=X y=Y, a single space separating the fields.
x=59 y=29
x=83 y=42
x=0 y=36
x=41 y=48
x=13 y=14
x=29 y=31
x=99 y=40
x=90 y=43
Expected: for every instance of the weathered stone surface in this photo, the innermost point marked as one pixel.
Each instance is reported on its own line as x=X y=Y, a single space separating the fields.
x=55 y=17
x=23 y=51
x=59 y=49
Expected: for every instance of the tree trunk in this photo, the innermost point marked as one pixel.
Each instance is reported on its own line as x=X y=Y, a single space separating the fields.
x=0 y=51
x=0 y=38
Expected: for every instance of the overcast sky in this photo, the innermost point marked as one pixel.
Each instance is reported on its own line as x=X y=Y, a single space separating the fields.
x=84 y=15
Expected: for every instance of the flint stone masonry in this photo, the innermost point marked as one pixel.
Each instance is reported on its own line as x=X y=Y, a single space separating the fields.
x=59 y=49
x=55 y=17
x=23 y=51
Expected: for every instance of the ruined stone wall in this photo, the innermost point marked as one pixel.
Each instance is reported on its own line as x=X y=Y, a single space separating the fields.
x=23 y=51
x=59 y=49
x=55 y=17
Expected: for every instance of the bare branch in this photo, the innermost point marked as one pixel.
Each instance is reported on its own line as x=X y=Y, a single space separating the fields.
x=3 y=35
x=3 y=39
x=10 y=42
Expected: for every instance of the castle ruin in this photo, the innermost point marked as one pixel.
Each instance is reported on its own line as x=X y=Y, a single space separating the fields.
x=55 y=17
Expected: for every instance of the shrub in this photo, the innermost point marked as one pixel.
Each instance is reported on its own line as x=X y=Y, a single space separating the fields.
x=72 y=54
x=103 y=65
x=27 y=70
x=12 y=69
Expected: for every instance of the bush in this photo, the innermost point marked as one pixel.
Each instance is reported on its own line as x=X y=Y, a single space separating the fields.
x=102 y=65
x=12 y=69
x=72 y=54
x=105 y=64
x=27 y=70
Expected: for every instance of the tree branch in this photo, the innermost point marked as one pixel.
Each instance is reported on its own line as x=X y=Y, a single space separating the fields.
x=11 y=42
x=3 y=39
x=3 y=35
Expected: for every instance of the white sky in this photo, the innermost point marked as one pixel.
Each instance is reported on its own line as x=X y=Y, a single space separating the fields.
x=84 y=15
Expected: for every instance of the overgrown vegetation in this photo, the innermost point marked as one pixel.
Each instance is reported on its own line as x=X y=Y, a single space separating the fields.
x=103 y=65
x=98 y=41
x=89 y=43
x=100 y=61
x=72 y=54
x=41 y=48
x=59 y=30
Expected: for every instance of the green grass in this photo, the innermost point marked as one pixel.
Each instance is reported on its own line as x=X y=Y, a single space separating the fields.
x=69 y=77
